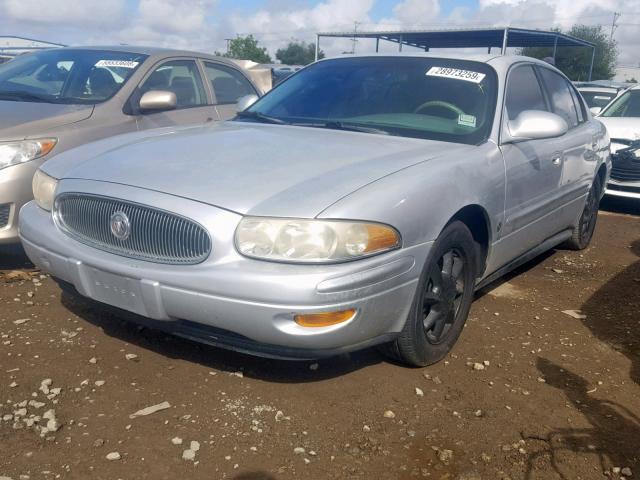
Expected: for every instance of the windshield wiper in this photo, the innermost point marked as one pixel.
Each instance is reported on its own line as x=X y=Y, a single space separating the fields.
x=16 y=95
x=261 y=117
x=337 y=125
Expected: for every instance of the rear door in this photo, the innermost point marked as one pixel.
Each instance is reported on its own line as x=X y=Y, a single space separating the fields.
x=183 y=77
x=228 y=84
x=533 y=169
x=577 y=145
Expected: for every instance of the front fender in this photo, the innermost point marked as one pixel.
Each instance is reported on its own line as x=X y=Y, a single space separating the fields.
x=420 y=200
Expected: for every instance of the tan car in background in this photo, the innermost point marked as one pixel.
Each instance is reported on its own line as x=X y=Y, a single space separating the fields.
x=57 y=99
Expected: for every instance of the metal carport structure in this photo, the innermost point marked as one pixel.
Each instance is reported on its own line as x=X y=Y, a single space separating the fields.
x=494 y=37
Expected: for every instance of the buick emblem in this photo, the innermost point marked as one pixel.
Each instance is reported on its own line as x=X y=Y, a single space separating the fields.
x=120 y=225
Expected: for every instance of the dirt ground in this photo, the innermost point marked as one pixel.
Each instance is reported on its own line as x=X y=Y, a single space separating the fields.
x=529 y=392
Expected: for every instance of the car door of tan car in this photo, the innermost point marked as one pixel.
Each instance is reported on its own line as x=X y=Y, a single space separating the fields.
x=228 y=84
x=183 y=77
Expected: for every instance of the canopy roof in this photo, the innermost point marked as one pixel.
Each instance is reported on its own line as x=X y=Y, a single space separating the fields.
x=468 y=38
x=501 y=37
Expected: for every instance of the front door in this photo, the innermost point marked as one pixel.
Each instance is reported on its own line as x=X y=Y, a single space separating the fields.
x=181 y=76
x=533 y=171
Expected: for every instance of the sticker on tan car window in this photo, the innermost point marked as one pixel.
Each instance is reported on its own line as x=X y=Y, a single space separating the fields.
x=467 y=120
x=117 y=63
x=446 y=72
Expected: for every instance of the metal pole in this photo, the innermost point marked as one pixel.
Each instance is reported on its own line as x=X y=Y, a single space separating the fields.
x=400 y=44
x=593 y=57
x=377 y=43
x=505 y=39
x=488 y=49
x=555 y=47
x=317 y=46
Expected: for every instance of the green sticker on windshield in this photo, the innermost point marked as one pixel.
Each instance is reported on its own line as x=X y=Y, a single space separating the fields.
x=467 y=120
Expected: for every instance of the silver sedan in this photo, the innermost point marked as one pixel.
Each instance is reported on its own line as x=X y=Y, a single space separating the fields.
x=359 y=203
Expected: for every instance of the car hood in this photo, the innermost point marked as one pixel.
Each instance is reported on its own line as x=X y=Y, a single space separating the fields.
x=623 y=128
x=249 y=168
x=20 y=120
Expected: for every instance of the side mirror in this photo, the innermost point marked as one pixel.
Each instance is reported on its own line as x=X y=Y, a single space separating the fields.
x=534 y=125
x=595 y=110
x=245 y=102
x=158 y=101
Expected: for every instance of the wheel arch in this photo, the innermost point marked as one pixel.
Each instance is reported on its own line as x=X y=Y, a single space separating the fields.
x=602 y=176
x=476 y=218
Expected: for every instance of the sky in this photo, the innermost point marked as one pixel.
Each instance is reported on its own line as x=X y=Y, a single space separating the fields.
x=205 y=24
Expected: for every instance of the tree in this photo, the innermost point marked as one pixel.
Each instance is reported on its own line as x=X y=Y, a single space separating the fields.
x=247 y=48
x=575 y=61
x=298 y=53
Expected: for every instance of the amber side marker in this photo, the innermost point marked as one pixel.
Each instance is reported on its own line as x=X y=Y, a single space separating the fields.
x=324 y=319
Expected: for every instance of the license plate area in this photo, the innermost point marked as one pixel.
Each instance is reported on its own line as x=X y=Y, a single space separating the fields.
x=116 y=290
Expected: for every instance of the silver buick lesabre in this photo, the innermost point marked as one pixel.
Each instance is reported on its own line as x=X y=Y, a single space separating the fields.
x=361 y=202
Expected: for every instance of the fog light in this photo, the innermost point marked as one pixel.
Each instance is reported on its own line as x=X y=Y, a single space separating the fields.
x=324 y=319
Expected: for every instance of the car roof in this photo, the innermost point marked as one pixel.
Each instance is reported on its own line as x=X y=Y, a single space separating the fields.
x=598 y=89
x=498 y=60
x=144 y=50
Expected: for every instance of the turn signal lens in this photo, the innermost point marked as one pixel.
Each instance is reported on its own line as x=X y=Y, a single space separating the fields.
x=324 y=319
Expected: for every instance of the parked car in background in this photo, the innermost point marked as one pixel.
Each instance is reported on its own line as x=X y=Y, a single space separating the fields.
x=280 y=72
x=622 y=119
x=598 y=97
x=359 y=203
x=54 y=100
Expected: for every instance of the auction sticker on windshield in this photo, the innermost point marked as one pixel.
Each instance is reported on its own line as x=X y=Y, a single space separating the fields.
x=446 y=72
x=117 y=63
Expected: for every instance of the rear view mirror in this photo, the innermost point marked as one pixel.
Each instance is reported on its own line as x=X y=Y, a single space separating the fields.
x=245 y=102
x=534 y=125
x=595 y=110
x=158 y=101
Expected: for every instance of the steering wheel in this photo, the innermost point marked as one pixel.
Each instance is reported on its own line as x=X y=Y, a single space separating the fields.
x=440 y=103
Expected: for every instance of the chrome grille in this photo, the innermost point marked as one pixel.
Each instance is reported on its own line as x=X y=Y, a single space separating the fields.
x=625 y=164
x=5 y=210
x=155 y=235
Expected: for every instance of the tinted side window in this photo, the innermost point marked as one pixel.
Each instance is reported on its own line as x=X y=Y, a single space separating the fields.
x=560 y=95
x=523 y=92
x=180 y=77
x=227 y=83
x=580 y=108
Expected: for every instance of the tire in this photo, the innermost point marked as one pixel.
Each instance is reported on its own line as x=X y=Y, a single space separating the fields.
x=583 y=231
x=442 y=301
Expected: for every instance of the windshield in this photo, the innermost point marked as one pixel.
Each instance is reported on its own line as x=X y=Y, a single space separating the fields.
x=438 y=99
x=626 y=105
x=67 y=76
x=597 y=99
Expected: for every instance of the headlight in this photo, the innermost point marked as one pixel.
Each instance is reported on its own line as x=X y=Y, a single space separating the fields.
x=312 y=241
x=44 y=189
x=14 y=153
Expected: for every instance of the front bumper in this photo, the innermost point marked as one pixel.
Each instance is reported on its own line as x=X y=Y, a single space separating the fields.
x=623 y=189
x=15 y=191
x=233 y=301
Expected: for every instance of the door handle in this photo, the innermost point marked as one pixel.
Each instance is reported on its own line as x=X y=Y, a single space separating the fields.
x=557 y=160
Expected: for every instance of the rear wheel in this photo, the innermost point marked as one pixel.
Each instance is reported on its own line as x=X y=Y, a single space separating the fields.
x=583 y=231
x=442 y=300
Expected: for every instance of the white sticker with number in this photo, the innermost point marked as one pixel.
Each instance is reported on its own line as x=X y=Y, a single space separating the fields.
x=446 y=72
x=467 y=120
x=117 y=63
